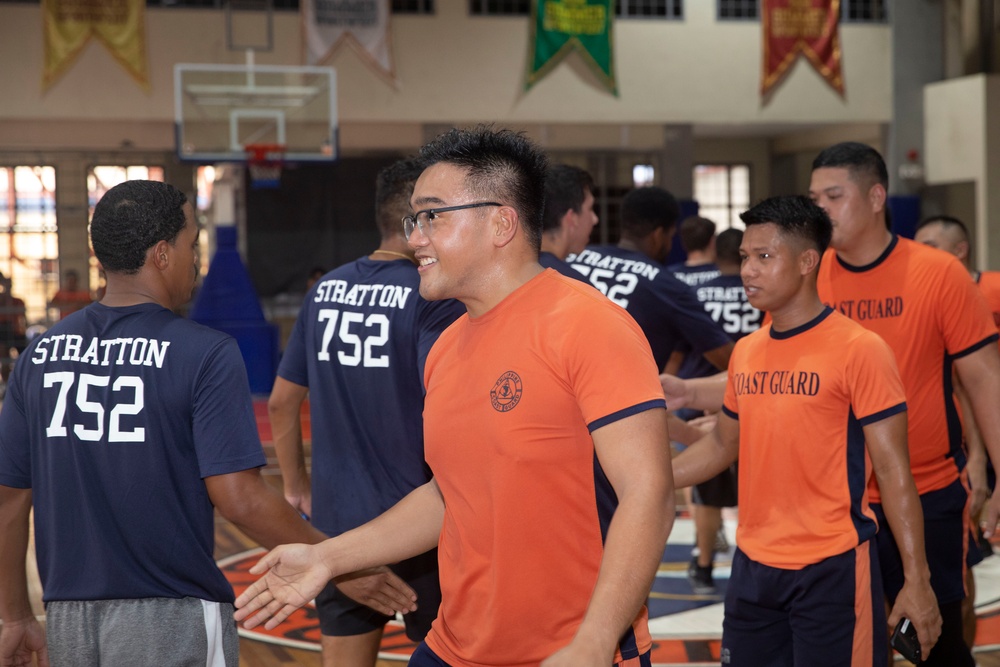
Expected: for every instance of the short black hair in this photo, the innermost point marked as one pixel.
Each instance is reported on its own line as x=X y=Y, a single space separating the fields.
x=727 y=245
x=949 y=222
x=860 y=159
x=130 y=219
x=646 y=209
x=696 y=233
x=393 y=187
x=796 y=216
x=501 y=165
x=565 y=189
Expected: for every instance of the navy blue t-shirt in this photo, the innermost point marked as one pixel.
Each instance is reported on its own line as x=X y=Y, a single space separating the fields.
x=550 y=261
x=726 y=302
x=665 y=308
x=113 y=418
x=359 y=344
x=694 y=275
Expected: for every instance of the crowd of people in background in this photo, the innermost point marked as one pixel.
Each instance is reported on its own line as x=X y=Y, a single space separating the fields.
x=502 y=414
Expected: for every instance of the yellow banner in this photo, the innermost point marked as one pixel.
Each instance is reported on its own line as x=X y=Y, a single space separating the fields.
x=119 y=24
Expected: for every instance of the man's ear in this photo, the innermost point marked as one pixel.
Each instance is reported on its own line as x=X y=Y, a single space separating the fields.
x=808 y=261
x=877 y=197
x=962 y=250
x=158 y=255
x=569 y=220
x=505 y=224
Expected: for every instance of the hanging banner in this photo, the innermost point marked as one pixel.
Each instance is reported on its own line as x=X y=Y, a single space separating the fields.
x=364 y=24
x=808 y=27
x=561 y=26
x=119 y=24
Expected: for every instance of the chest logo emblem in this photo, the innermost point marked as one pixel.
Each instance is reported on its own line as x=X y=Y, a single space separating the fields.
x=506 y=393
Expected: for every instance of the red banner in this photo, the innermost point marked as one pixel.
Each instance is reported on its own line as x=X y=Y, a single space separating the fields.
x=808 y=27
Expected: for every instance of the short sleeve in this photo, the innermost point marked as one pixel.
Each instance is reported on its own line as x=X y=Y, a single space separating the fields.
x=293 y=366
x=612 y=369
x=730 y=405
x=225 y=429
x=874 y=380
x=691 y=321
x=15 y=439
x=963 y=313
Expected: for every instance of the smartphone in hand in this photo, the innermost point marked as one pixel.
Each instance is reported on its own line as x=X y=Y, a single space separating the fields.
x=904 y=639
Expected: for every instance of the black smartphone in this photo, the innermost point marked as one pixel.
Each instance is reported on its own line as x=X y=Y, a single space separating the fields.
x=904 y=639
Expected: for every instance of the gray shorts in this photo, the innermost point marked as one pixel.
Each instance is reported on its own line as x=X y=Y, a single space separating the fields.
x=160 y=632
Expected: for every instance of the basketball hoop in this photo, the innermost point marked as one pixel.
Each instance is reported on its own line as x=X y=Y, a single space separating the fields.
x=265 y=162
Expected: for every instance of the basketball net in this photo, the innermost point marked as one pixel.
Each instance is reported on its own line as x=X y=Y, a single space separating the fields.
x=265 y=162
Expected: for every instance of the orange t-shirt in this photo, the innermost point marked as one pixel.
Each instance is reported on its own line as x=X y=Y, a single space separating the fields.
x=512 y=397
x=989 y=286
x=921 y=302
x=804 y=467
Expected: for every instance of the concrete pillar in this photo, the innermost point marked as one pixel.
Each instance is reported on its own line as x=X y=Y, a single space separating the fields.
x=72 y=212
x=917 y=59
x=677 y=161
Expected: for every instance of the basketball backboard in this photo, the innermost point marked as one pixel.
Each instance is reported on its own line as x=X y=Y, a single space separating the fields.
x=220 y=109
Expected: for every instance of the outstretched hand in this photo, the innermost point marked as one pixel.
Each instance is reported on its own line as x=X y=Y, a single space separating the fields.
x=676 y=391
x=379 y=588
x=20 y=642
x=293 y=575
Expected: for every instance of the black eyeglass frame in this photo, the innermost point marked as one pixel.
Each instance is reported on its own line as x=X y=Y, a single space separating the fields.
x=412 y=222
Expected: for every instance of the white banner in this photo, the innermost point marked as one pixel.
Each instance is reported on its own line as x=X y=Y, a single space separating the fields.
x=364 y=24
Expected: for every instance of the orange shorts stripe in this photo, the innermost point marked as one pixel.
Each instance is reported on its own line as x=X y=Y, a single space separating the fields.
x=864 y=625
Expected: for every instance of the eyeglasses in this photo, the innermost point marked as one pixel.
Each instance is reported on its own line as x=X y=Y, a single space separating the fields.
x=424 y=219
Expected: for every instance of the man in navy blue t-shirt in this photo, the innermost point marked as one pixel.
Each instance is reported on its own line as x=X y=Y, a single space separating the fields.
x=726 y=302
x=568 y=218
x=632 y=275
x=697 y=236
x=358 y=350
x=126 y=427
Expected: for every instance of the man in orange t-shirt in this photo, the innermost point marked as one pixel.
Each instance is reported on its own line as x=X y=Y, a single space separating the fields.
x=810 y=422
x=922 y=303
x=947 y=233
x=542 y=444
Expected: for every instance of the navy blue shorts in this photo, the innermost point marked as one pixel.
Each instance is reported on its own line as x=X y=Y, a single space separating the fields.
x=828 y=614
x=340 y=616
x=946 y=536
x=424 y=657
x=720 y=491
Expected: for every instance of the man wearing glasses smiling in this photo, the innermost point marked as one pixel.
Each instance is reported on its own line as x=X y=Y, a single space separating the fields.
x=552 y=496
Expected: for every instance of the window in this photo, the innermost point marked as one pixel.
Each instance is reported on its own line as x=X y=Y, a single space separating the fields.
x=643 y=175
x=664 y=9
x=737 y=10
x=722 y=192
x=500 y=7
x=851 y=11
x=29 y=243
x=396 y=6
x=412 y=6
x=100 y=179
x=863 y=11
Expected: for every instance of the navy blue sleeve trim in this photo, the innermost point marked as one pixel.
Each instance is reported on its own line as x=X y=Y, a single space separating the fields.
x=972 y=348
x=15 y=482
x=883 y=414
x=729 y=413
x=627 y=412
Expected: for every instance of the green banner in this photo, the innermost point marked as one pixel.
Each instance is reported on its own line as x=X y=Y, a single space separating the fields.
x=560 y=26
